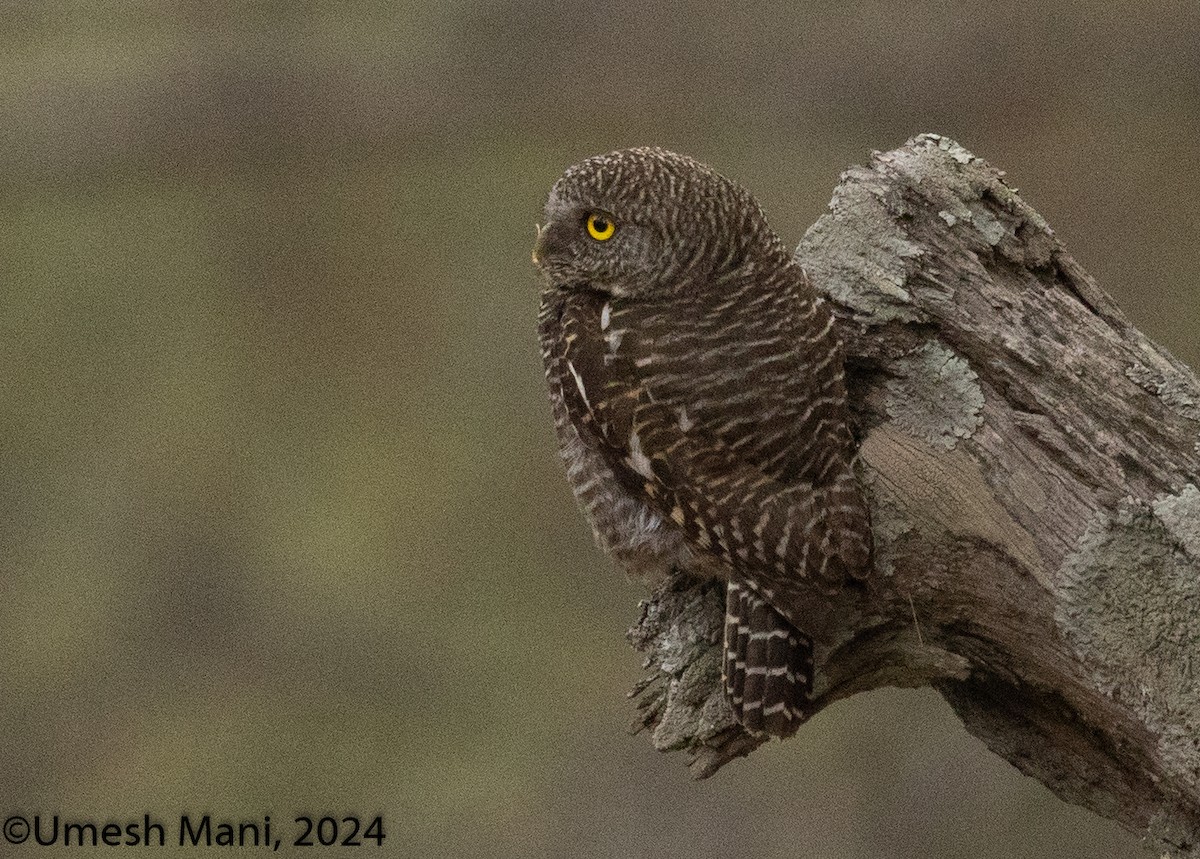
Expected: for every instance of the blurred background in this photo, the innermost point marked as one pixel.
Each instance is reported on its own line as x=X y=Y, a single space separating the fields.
x=282 y=526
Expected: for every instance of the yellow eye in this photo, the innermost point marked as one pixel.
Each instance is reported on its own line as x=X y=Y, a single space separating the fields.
x=600 y=227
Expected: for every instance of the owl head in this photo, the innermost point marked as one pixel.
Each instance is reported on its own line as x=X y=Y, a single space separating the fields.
x=645 y=223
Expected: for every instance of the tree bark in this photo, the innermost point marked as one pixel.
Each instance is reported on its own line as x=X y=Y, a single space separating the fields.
x=1032 y=461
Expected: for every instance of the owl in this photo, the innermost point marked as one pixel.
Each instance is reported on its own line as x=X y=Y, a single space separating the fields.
x=699 y=398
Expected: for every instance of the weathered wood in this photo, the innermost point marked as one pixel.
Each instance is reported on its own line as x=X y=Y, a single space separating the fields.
x=1033 y=462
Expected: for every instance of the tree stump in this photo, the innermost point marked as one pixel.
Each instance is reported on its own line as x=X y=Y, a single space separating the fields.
x=1033 y=463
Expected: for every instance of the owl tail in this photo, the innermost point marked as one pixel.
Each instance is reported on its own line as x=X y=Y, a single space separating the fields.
x=768 y=664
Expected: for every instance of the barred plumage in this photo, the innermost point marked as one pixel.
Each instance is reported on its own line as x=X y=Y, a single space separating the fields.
x=767 y=666
x=700 y=404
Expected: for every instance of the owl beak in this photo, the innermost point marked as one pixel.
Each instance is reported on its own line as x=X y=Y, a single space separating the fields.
x=539 y=245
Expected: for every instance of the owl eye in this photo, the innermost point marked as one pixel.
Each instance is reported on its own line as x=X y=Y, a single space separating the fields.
x=600 y=227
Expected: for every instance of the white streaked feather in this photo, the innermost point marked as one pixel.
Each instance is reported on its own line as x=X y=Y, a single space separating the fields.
x=638 y=460
x=579 y=384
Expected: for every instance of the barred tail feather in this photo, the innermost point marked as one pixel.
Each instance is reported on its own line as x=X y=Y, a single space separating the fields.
x=768 y=664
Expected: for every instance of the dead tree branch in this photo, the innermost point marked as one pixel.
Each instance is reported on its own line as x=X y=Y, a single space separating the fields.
x=1033 y=462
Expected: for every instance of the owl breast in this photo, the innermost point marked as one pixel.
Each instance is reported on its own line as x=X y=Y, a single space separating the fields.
x=637 y=538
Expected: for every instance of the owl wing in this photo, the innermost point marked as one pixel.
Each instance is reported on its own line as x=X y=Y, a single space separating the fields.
x=773 y=533
x=770 y=532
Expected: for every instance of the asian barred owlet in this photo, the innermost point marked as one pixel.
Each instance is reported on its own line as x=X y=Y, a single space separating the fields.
x=698 y=393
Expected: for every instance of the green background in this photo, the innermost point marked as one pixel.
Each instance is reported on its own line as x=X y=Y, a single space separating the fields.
x=282 y=526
